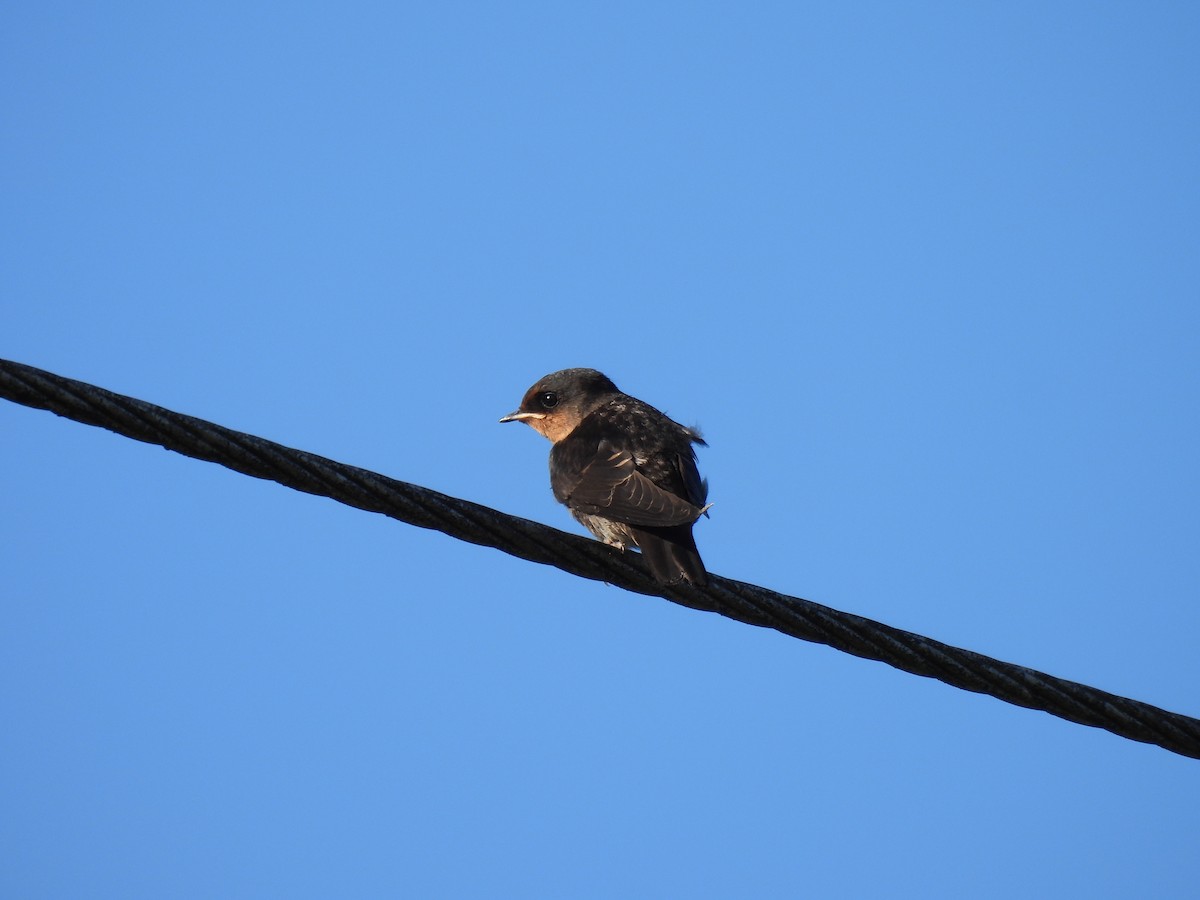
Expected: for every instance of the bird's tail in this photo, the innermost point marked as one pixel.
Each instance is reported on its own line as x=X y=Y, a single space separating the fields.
x=671 y=554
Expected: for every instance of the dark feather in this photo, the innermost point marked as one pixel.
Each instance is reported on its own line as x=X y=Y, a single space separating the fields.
x=611 y=485
x=671 y=554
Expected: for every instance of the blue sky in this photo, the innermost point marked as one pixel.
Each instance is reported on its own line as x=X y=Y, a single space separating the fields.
x=926 y=275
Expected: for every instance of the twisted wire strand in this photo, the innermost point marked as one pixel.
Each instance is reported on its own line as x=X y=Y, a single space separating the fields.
x=586 y=558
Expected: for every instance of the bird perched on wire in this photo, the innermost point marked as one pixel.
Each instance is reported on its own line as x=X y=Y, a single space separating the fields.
x=625 y=470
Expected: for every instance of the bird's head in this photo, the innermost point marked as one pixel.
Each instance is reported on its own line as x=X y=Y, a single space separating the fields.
x=556 y=405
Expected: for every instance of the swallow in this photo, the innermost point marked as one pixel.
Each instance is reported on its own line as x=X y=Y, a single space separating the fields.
x=626 y=471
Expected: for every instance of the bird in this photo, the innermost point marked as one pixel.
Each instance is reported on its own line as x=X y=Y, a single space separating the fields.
x=626 y=471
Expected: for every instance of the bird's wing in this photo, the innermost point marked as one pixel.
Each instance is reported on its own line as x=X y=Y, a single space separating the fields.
x=610 y=485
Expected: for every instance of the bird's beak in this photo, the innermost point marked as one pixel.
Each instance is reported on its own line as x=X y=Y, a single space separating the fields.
x=519 y=416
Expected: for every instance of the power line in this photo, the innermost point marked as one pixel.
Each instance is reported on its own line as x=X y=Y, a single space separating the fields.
x=478 y=524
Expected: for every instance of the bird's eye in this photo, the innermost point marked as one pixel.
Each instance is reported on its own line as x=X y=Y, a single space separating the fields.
x=548 y=399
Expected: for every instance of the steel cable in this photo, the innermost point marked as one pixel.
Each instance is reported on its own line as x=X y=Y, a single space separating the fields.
x=528 y=540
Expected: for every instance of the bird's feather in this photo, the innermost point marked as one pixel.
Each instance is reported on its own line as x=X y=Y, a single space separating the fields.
x=611 y=485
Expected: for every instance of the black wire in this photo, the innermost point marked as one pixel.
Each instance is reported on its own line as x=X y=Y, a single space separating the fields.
x=590 y=559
